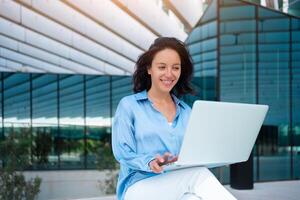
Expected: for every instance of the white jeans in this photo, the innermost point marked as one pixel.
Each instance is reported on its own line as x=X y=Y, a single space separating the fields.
x=185 y=184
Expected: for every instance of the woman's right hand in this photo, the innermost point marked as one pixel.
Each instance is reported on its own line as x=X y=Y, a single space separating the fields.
x=156 y=165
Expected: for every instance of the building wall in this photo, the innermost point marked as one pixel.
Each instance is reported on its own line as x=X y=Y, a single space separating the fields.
x=71 y=184
x=67 y=116
x=251 y=53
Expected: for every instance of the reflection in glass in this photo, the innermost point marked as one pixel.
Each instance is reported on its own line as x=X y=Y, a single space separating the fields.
x=296 y=96
x=71 y=121
x=16 y=102
x=44 y=120
x=254 y=49
x=98 y=120
x=274 y=148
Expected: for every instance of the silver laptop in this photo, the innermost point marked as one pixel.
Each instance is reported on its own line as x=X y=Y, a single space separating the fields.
x=219 y=133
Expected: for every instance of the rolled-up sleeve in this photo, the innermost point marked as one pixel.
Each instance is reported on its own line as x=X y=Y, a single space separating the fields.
x=124 y=143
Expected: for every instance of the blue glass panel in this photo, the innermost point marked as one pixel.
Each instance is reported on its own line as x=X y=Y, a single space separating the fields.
x=296 y=95
x=71 y=112
x=268 y=13
x=237 y=52
x=274 y=45
x=274 y=37
x=209 y=56
x=194 y=48
x=273 y=24
x=16 y=102
x=196 y=58
x=225 y=3
x=194 y=36
x=121 y=86
x=98 y=119
x=44 y=120
x=244 y=12
x=237 y=26
x=210 y=44
x=237 y=55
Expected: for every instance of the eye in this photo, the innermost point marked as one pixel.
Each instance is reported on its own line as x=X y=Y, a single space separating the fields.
x=161 y=67
x=176 y=67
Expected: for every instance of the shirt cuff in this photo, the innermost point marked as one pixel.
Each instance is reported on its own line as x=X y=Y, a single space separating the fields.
x=148 y=164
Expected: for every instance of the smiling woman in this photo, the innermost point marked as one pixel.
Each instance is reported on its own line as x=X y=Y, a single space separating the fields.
x=149 y=126
x=165 y=53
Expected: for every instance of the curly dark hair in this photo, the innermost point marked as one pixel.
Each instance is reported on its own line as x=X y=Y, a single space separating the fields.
x=141 y=78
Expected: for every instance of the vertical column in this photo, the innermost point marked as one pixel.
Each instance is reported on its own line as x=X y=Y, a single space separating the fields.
x=110 y=100
x=257 y=84
x=218 y=53
x=2 y=108
x=291 y=139
x=84 y=120
x=241 y=174
x=58 y=140
x=30 y=115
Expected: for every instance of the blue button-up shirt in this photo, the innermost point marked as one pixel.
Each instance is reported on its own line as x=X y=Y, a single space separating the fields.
x=140 y=132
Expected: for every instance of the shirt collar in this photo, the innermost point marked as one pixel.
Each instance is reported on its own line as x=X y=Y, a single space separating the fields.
x=143 y=95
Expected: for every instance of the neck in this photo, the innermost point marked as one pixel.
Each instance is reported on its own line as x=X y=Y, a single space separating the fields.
x=159 y=96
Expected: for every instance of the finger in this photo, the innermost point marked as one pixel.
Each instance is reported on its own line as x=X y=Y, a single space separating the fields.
x=169 y=158
x=156 y=167
x=174 y=159
x=160 y=159
x=153 y=165
x=167 y=155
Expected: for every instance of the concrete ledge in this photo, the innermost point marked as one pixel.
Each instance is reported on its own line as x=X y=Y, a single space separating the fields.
x=287 y=190
x=69 y=184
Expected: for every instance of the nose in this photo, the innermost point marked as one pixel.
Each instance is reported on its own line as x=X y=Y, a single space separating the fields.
x=169 y=72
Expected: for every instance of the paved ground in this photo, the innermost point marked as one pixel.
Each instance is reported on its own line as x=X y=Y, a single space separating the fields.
x=282 y=190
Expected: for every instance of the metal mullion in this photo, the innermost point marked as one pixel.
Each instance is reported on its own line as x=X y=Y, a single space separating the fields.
x=110 y=102
x=2 y=113
x=84 y=121
x=31 y=114
x=291 y=135
x=257 y=86
x=58 y=122
x=218 y=78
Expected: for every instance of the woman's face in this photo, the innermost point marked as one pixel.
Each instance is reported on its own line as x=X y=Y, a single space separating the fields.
x=165 y=70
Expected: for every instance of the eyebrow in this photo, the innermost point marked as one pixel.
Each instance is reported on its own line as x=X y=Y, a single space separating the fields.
x=165 y=64
x=160 y=63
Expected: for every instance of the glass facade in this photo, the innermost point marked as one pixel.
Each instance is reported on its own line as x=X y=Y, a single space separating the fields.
x=256 y=59
x=68 y=117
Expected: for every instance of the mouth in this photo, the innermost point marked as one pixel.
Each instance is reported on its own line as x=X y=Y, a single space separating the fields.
x=167 y=83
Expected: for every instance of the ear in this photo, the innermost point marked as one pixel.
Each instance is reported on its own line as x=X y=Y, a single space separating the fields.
x=149 y=70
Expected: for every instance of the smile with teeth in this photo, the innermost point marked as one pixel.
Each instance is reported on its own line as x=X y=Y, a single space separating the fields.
x=167 y=82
